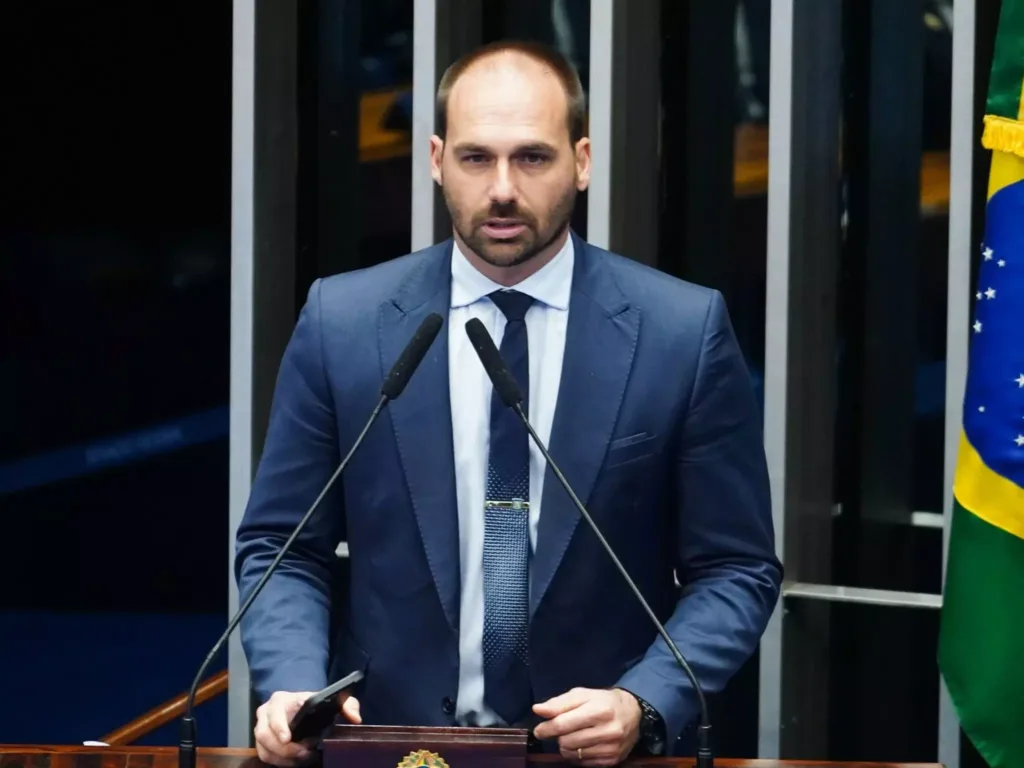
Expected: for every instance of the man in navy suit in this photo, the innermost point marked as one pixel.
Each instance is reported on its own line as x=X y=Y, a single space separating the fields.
x=476 y=594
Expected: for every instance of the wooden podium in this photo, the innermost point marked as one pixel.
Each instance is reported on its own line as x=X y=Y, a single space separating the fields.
x=363 y=746
x=42 y=756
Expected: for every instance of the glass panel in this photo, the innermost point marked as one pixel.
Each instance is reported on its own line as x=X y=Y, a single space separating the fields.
x=355 y=133
x=385 y=129
x=750 y=181
x=892 y=319
x=714 y=163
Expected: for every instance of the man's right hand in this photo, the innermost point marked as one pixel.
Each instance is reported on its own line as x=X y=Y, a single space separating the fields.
x=273 y=739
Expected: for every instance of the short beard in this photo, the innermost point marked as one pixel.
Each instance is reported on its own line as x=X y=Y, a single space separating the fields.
x=561 y=216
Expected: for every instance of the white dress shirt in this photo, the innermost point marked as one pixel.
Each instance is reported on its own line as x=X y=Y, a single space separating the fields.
x=470 y=391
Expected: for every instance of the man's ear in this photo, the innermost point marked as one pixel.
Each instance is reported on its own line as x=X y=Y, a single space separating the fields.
x=583 y=164
x=436 y=156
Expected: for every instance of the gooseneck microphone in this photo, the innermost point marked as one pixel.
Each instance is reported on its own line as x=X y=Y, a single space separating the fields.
x=508 y=390
x=393 y=386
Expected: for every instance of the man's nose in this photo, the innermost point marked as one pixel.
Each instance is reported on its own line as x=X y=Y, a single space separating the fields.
x=503 y=188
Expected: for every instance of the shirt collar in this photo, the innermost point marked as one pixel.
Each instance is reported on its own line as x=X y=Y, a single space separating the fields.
x=550 y=285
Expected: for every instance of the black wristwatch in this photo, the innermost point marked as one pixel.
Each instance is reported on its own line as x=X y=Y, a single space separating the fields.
x=652 y=728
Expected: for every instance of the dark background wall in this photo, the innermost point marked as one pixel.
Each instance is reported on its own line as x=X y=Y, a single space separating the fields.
x=114 y=359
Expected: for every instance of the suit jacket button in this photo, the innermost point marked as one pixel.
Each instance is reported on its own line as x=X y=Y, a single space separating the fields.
x=448 y=706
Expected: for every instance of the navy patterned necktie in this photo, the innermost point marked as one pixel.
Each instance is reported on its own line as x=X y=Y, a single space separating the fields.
x=507 y=530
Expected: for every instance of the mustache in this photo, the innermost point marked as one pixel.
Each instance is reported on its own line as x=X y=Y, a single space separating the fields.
x=508 y=211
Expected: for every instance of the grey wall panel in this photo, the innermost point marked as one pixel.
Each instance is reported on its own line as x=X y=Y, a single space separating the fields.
x=264 y=148
x=624 y=115
x=800 y=348
x=963 y=144
x=240 y=461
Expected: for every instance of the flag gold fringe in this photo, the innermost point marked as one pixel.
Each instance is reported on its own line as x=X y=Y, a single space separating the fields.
x=1003 y=135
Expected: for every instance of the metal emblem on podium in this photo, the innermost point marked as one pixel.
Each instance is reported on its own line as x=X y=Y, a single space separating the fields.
x=423 y=758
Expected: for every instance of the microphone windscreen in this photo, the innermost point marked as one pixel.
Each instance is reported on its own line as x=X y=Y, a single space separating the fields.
x=501 y=377
x=411 y=356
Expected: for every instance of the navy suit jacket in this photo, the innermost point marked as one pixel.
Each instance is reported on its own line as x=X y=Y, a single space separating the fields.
x=656 y=428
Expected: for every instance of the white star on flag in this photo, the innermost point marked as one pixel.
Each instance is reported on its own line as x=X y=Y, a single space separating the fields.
x=1020 y=381
x=977 y=326
x=990 y=293
x=988 y=254
x=1001 y=263
x=1020 y=440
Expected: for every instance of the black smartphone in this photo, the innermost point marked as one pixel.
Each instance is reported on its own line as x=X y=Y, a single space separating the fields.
x=319 y=711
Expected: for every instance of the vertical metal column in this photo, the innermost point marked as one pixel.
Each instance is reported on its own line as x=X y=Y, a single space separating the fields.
x=443 y=30
x=264 y=142
x=240 y=461
x=625 y=114
x=780 y=148
x=800 y=374
x=963 y=141
x=602 y=126
x=425 y=75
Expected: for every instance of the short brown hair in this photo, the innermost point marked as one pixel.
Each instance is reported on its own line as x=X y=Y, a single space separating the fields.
x=576 y=100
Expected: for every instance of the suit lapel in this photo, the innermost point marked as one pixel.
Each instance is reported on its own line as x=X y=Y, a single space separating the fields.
x=599 y=346
x=422 y=422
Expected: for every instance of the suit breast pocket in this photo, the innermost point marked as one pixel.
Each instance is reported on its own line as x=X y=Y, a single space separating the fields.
x=625 y=450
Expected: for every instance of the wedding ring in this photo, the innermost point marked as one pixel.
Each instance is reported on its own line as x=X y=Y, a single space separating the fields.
x=579 y=753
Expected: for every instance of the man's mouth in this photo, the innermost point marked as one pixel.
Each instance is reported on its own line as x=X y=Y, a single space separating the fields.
x=503 y=229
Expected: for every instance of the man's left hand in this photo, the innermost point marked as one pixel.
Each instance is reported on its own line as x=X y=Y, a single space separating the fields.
x=593 y=727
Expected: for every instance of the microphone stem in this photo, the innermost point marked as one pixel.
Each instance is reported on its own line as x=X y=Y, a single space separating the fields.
x=187 y=741
x=705 y=758
x=704 y=753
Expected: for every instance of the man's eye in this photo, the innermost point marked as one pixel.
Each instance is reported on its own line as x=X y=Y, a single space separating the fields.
x=534 y=158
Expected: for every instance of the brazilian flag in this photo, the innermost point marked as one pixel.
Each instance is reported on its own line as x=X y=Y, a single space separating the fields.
x=981 y=643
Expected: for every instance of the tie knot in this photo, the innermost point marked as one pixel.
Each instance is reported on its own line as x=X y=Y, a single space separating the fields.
x=513 y=304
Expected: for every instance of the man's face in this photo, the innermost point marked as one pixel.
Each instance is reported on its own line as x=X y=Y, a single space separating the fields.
x=508 y=170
